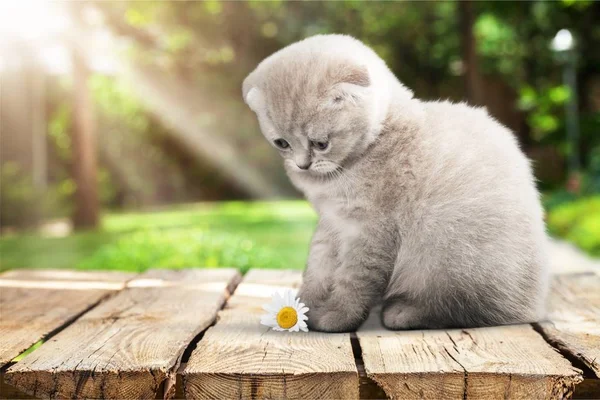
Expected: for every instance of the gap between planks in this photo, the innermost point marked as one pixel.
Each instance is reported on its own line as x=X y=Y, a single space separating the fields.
x=573 y=324
x=8 y=391
x=173 y=386
x=368 y=389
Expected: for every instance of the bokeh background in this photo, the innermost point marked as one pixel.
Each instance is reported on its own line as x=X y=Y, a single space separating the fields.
x=125 y=143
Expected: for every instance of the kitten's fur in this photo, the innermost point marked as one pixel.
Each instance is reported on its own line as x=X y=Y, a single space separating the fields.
x=428 y=207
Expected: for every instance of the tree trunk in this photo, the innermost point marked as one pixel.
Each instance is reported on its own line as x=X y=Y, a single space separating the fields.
x=39 y=134
x=473 y=79
x=86 y=211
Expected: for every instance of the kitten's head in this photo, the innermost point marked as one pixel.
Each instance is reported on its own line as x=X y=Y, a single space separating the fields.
x=320 y=102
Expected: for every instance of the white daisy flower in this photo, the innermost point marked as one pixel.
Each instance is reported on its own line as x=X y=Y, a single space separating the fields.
x=285 y=312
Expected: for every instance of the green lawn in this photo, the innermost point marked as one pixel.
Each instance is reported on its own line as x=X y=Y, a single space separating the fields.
x=577 y=221
x=227 y=234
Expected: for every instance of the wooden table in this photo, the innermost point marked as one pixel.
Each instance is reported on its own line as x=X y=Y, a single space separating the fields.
x=195 y=333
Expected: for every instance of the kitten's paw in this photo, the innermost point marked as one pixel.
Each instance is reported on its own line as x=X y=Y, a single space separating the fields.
x=333 y=321
x=399 y=316
x=311 y=295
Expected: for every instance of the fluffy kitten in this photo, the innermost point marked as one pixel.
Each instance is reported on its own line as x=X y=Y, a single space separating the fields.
x=427 y=207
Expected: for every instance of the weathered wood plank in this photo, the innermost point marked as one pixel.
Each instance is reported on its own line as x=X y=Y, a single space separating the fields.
x=127 y=346
x=10 y=392
x=239 y=358
x=33 y=303
x=574 y=317
x=484 y=363
x=410 y=364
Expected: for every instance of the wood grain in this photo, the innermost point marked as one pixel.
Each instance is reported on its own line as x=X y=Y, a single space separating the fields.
x=34 y=303
x=127 y=346
x=484 y=363
x=574 y=317
x=10 y=392
x=239 y=358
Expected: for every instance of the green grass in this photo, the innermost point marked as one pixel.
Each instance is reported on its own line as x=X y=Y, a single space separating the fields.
x=228 y=234
x=578 y=221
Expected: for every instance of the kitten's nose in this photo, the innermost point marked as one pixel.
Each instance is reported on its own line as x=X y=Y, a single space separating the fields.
x=304 y=165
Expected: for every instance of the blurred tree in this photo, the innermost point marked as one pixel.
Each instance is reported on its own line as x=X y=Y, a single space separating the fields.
x=83 y=139
x=85 y=173
x=473 y=80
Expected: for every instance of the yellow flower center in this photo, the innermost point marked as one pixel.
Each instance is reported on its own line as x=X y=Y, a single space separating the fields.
x=287 y=317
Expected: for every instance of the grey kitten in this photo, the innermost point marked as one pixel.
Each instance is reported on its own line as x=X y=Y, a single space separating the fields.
x=429 y=208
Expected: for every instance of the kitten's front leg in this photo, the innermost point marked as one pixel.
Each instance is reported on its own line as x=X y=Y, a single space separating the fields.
x=321 y=264
x=341 y=299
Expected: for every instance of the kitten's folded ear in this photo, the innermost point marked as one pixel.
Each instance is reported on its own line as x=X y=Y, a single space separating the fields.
x=252 y=96
x=246 y=86
x=356 y=75
x=351 y=83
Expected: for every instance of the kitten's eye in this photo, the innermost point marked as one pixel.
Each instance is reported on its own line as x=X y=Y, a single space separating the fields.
x=320 y=145
x=338 y=99
x=281 y=143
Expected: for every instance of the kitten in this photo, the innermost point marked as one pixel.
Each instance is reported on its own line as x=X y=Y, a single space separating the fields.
x=429 y=208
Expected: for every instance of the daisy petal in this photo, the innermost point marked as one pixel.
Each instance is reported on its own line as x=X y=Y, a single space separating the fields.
x=271 y=308
x=267 y=317
x=290 y=298
x=277 y=299
x=267 y=307
x=268 y=323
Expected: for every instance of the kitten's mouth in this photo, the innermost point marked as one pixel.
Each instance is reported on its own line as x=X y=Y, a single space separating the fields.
x=324 y=169
x=320 y=170
x=325 y=175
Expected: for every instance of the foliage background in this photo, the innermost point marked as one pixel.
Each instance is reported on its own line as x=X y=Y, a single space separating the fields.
x=171 y=127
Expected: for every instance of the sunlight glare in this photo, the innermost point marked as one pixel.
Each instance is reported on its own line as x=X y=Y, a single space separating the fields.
x=212 y=287
x=261 y=290
x=30 y=20
x=60 y=285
